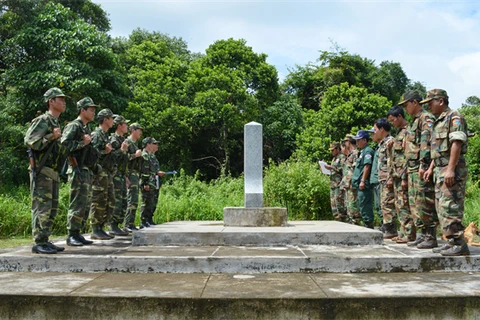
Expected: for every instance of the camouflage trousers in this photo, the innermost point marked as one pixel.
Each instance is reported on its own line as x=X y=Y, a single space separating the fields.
x=44 y=207
x=449 y=201
x=376 y=199
x=120 y=192
x=337 y=202
x=148 y=204
x=80 y=199
x=365 y=204
x=407 y=227
x=421 y=198
x=352 y=206
x=155 y=201
x=387 y=203
x=103 y=198
x=132 y=198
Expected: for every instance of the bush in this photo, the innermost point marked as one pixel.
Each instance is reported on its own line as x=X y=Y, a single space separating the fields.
x=301 y=188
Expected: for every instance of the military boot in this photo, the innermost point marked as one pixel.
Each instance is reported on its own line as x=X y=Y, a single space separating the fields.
x=450 y=243
x=53 y=246
x=420 y=238
x=154 y=224
x=116 y=231
x=390 y=231
x=97 y=233
x=105 y=233
x=74 y=239
x=43 y=248
x=459 y=248
x=84 y=241
x=368 y=224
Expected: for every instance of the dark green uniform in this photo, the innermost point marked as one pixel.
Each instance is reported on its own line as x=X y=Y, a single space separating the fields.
x=133 y=177
x=119 y=179
x=365 y=196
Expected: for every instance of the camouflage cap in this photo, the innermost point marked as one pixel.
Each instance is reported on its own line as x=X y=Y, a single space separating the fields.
x=53 y=93
x=410 y=96
x=136 y=126
x=85 y=103
x=149 y=140
x=334 y=145
x=348 y=137
x=118 y=119
x=104 y=113
x=435 y=94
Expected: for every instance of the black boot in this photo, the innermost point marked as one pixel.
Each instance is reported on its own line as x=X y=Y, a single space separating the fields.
x=450 y=243
x=130 y=228
x=154 y=224
x=368 y=224
x=390 y=231
x=420 y=238
x=430 y=240
x=43 y=248
x=97 y=233
x=59 y=249
x=116 y=231
x=459 y=248
x=105 y=233
x=74 y=239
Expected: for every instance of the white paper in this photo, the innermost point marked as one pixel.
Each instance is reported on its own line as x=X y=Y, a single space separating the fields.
x=322 y=165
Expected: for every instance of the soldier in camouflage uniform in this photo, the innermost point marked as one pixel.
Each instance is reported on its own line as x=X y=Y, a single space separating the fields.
x=83 y=162
x=382 y=136
x=421 y=193
x=351 y=153
x=47 y=153
x=398 y=167
x=134 y=161
x=119 y=148
x=337 y=194
x=159 y=178
x=148 y=182
x=449 y=146
x=103 y=197
x=361 y=178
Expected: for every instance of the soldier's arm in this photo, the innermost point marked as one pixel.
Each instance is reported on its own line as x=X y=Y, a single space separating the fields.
x=37 y=137
x=69 y=140
x=425 y=143
x=145 y=171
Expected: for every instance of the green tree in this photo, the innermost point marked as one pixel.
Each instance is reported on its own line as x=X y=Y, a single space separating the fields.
x=471 y=111
x=345 y=109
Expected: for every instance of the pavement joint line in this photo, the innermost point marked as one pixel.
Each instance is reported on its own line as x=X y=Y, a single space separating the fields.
x=205 y=285
x=100 y=275
x=396 y=251
x=319 y=287
x=300 y=249
x=213 y=253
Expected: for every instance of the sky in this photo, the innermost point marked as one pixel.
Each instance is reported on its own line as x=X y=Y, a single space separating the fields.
x=436 y=42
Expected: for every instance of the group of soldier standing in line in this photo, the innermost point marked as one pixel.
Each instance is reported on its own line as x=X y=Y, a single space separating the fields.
x=418 y=177
x=105 y=173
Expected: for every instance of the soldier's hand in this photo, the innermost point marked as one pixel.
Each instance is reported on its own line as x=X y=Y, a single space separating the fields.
x=421 y=173
x=362 y=185
x=427 y=175
x=390 y=144
x=108 y=148
x=127 y=182
x=57 y=133
x=404 y=185
x=138 y=153
x=86 y=139
x=124 y=146
x=146 y=188
x=161 y=174
x=449 y=177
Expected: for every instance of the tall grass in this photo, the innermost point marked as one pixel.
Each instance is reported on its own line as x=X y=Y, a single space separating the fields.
x=298 y=186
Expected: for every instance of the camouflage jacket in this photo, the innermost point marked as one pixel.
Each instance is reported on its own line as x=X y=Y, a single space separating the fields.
x=336 y=173
x=147 y=171
x=348 y=167
x=121 y=158
x=398 y=162
x=39 y=138
x=417 y=141
x=383 y=165
x=99 y=141
x=72 y=138
x=133 y=161
x=156 y=168
x=450 y=126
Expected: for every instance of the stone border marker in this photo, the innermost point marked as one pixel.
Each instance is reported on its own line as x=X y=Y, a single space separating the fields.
x=254 y=214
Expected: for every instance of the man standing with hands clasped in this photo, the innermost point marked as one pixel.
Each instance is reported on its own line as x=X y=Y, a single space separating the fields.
x=449 y=146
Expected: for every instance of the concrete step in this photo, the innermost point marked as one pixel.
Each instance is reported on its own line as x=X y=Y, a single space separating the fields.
x=118 y=255
x=121 y=296
x=214 y=233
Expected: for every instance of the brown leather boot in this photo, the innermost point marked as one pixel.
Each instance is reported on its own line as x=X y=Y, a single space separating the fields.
x=459 y=248
x=420 y=238
x=390 y=231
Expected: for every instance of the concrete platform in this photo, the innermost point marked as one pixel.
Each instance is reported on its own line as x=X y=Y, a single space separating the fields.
x=120 y=256
x=214 y=233
x=120 y=296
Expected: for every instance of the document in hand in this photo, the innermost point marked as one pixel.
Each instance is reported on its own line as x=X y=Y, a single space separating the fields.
x=323 y=167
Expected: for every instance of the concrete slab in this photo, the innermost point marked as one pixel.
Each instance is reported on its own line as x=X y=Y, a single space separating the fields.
x=213 y=233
